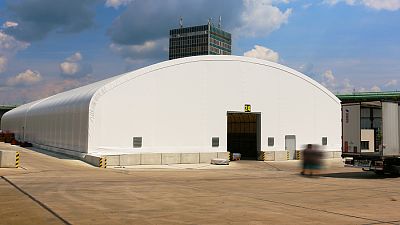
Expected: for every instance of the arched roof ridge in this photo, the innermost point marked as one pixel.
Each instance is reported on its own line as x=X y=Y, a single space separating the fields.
x=176 y=62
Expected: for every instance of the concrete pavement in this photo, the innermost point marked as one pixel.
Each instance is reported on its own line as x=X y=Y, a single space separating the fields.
x=59 y=190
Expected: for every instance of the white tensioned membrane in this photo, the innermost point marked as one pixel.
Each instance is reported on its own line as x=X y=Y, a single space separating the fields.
x=59 y=121
x=178 y=106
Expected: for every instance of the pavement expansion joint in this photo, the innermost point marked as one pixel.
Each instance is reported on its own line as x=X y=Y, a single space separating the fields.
x=36 y=200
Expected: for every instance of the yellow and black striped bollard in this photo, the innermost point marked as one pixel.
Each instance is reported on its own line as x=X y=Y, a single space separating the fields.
x=287 y=155
x=16 y=159
x=261 y=157
x=100 y=162
x=103 y=162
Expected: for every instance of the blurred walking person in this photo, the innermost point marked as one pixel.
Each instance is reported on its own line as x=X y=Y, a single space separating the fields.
x=312 y=160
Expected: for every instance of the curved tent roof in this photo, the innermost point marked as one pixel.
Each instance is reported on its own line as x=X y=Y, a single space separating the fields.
x=91 y=92
x=79 y=104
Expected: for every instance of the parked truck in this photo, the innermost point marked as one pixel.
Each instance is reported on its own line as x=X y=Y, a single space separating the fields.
x=371 y=136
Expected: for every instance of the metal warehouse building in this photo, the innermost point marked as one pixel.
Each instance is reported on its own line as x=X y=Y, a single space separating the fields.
x=195 y=105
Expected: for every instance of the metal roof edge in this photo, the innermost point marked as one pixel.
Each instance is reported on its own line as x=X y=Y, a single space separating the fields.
x=368 y=96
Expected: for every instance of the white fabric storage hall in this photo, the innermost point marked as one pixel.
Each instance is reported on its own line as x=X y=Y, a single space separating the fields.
x=198 y=104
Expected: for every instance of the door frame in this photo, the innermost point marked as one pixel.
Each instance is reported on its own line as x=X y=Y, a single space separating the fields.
x=292 y=154
x=258 y=123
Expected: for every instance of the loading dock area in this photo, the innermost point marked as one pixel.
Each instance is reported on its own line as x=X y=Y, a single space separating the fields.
x=371 y=132
x=244 y=134
x=60 y=190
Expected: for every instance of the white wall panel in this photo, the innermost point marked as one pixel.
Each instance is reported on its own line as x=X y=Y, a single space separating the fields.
x=390 y=128
x=351 y=128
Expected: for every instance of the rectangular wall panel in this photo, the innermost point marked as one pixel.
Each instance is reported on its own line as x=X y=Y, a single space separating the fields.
x=390 y=128
x=351 y=129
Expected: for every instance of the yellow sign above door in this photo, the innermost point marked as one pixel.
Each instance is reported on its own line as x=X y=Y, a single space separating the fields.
x=247 y=108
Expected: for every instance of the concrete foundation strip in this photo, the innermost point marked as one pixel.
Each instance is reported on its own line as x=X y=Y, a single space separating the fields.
x=16 y=159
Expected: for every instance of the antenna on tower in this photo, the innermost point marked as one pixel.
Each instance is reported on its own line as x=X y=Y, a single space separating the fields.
x=209 y=21
x=219 y=22
x=181 y=22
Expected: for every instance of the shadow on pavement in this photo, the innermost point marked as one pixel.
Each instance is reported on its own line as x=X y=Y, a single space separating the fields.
x=358 y=175
x=52 y=154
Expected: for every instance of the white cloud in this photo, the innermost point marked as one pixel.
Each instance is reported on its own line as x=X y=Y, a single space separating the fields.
x=142 y=52
x=330 y=2
x=9 y=45
x=328 y=75
x=391 y=83
x=259 y=18
x=3 y=63
x=77 y=56
x=117 y=3
x=347 y=86
x=9 y=24
x=375 y=89
x=136 y=39
x=73 y=67
x=362 y=89
x=146 y=47
x=261 y=52
x=328 y=80
x=25 y=78
x=52 y=86
x=69 y=68
x=391 y=5
x=306 y=68
x=334 y=2
x=283 y=1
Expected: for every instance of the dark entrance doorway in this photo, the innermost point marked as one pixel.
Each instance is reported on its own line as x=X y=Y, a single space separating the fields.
x=244 y=134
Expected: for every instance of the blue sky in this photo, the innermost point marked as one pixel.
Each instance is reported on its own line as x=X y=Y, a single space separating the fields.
x=49 y=46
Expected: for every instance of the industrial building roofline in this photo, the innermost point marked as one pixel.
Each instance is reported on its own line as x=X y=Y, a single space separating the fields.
x=2 y=107
x=370 y=96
